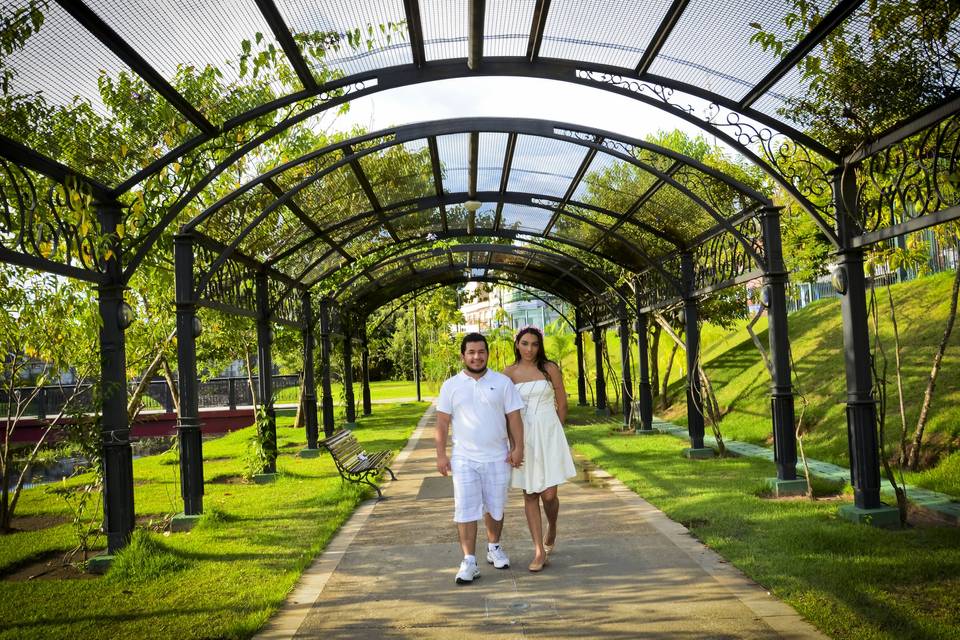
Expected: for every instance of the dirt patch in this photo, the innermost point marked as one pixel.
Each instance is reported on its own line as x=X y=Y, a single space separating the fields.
x=49 y=567
x=36 y=523
x=827 y=497
x=228 y=480
x=153 y=521
x=924 y=518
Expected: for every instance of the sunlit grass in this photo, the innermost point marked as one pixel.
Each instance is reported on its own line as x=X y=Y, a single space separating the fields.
x=223 y=579
x=851 y=581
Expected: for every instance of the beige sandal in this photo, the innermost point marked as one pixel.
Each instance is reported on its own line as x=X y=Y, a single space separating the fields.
x=536 y=567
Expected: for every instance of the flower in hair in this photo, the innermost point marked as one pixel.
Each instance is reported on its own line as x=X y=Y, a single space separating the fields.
x=529 y=326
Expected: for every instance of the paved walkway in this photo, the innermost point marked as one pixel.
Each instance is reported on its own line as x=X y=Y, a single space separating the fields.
x=621 y=569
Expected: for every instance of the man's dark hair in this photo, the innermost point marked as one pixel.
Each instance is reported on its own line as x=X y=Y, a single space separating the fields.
x=473 y=337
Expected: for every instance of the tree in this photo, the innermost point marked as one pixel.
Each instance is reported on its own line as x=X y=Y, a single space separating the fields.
x=51 y=323
x=861 y=82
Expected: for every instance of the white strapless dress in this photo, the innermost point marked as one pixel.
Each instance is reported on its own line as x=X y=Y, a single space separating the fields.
x=546 y=455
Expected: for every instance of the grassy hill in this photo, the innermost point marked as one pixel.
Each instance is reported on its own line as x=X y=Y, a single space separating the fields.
x=742 y=383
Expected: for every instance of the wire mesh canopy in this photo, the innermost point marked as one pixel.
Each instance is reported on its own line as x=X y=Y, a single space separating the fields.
x=109 y=51
x=167 y=101
x=570 y=208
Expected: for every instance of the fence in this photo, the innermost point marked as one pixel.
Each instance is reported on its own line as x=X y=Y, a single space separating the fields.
x=215 y=392
x=940 y=258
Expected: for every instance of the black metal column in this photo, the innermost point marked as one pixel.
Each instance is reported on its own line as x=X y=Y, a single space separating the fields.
x=348 y=370
x=327 y=393
x=581 y=376
x=365 y=369
x=601 y=384
x=643 y=370
x=189 y=433
x=626 y=390
x=118 y=510
x=695 y=422
x=416 y=351
x=309 y=380
x=861 y=406
x=781 y=390
x=268 y=430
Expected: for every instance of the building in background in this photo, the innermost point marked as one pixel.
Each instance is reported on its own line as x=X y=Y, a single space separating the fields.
x=492 y=306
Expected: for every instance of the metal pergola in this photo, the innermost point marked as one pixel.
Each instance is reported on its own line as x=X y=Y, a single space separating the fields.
x=320 y=241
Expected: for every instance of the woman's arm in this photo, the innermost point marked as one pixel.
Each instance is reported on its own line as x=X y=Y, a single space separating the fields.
x=556 y=377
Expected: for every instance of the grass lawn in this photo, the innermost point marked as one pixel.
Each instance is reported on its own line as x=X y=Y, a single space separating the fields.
x=380 y=390
x=851 y=581
x=225 y=578
x=816 y=335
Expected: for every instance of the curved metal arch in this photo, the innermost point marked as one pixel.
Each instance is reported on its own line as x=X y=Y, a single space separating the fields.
x=403 y=302
x=545 y=129
x=402 y=209
x=545 y=256
x=493 y=233
x=446 y=277
x=542 y=279
x=524 y=69
x=527 y=126
x=414 y=242
x=372 y=82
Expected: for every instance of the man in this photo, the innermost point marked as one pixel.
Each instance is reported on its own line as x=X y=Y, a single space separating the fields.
x=481 y=404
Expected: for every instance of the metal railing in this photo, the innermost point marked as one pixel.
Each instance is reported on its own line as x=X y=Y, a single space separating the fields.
x=228 y=393
x=941 y=258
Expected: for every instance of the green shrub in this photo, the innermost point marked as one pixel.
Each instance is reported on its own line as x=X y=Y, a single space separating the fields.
x=145 y=558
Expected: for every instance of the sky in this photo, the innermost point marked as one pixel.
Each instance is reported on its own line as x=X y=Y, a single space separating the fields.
x=508 y=97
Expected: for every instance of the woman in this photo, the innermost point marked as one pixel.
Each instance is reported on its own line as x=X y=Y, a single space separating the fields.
x=547 y=460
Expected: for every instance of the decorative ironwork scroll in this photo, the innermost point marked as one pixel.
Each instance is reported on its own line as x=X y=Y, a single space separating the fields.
x=654 y=290
x=178 y=181
x=803 y=171
x=285 y=303
x=233 y=284
x=720 y=260
x=912 y=178
x=42 y=218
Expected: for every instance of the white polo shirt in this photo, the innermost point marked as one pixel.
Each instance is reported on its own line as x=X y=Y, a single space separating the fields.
x=479 y=409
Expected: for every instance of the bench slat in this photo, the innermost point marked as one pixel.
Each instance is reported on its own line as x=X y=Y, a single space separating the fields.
x=353 y=462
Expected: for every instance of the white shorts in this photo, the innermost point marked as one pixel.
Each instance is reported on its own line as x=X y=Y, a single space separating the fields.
x=478 y=488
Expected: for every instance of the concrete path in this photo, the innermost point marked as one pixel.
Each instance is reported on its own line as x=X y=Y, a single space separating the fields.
x=621 y=569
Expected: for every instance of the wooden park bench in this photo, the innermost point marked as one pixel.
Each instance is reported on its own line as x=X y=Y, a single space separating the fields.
x=355 y=464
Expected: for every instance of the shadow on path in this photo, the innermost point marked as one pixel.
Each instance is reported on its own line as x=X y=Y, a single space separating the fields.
x=621 y=569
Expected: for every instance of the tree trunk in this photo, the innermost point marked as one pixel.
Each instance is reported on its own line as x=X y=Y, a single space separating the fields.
x=174 y=391
x=133 y=405
x=664 y=395
x=5 y=515
x=914 y=461
x=902 y=455
x=712 y=408
x=654 y=363
x=300 y=420
x=253 y=389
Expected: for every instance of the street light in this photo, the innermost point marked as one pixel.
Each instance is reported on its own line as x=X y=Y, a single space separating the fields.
x=125 y=315
x=471 y=206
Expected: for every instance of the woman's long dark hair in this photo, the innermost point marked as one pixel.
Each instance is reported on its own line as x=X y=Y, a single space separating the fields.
x=541 y=355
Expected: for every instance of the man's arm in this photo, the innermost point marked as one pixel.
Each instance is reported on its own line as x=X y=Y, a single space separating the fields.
x=440 y=437
x=515 y=429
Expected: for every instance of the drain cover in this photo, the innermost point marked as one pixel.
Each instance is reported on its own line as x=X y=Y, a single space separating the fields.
x=507 y=607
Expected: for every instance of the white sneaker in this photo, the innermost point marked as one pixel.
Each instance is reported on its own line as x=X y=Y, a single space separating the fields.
x=498 y=558
x=468 y=572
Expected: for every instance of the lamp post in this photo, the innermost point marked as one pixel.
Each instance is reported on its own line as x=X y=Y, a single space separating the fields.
x=471 y=206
